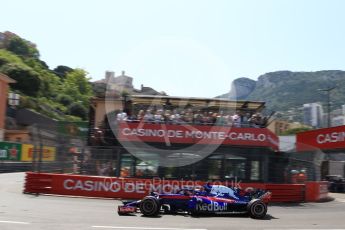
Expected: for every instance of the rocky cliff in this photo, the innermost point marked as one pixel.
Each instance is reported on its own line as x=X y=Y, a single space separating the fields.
x=283 y=90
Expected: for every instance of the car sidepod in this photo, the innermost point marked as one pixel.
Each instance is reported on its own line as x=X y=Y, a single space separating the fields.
x=216 y=205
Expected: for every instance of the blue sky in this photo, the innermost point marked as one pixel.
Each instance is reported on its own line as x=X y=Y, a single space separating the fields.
x=183 y=47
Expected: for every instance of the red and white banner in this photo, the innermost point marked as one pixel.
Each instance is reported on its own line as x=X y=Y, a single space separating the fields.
x=329 y=138
x=197 y=134
x=135 y=188
x=127 y=188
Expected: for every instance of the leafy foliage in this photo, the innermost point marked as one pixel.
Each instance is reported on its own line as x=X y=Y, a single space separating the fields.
x=8 y=57
x=21 y=47
x=62 y=71
x=77 y=109
x=29 y=80
x=62 y=93
x=77 y=86
x=296 y=130
x=64 y=99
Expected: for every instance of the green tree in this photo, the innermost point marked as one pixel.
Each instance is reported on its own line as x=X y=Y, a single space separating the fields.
x=62 y=71
x=28 y=81
x=78 y=109
x=64 y=99
x=77 y=85
x=23 y=48
x=8 y=57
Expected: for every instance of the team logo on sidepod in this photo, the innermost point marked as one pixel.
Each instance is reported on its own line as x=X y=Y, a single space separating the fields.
x=213 y=207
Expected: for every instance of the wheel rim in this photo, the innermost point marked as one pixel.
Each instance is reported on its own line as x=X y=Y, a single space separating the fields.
x=259 y=209
x=148 y=206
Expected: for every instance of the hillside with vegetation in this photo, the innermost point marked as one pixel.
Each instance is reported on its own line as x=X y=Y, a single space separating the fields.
x=284 y=91
x=61 y=93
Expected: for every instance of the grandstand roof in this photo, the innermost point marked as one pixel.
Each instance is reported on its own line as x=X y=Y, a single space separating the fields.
x=196 y=102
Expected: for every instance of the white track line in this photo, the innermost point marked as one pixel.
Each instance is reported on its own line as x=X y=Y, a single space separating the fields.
x=340 y=200
x=12 y=222
x=147 y=228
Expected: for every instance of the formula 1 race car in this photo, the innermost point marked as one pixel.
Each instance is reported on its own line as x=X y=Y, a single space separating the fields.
x=210 y=199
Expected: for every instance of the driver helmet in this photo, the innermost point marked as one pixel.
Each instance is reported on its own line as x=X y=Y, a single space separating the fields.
x=207 y=187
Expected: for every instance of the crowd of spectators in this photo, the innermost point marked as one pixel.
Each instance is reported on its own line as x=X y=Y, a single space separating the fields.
x=198 y=117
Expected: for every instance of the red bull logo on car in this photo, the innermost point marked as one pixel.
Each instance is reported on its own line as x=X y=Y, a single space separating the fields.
x=212 y=207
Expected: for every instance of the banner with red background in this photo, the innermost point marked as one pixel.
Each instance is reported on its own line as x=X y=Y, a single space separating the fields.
x=197 y=134
x=328 y=138
x=136 y=188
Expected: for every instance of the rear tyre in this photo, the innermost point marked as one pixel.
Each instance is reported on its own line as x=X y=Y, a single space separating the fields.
x=149 y=206
x=257 y=209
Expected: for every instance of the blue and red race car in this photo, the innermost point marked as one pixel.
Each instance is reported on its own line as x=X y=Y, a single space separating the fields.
x=210 y=199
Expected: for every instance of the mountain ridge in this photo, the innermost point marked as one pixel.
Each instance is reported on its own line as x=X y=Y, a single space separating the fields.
x=284 y=90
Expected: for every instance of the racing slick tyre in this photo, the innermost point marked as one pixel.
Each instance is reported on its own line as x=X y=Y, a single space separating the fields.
x=257 y=209
x=149 y=206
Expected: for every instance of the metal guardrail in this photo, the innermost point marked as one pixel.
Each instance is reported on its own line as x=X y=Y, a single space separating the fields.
x=10 y=166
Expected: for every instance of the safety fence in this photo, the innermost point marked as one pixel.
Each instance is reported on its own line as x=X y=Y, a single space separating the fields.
x=134 y=188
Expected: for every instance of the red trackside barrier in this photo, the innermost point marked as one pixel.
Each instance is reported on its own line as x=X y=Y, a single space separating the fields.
x=135 y=188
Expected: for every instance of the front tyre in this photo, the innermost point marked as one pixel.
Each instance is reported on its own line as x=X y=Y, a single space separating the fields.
x=257 y=209
x=149 y=206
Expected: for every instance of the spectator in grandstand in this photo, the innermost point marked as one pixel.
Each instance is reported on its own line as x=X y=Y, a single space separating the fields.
x=167 y=117
x=252 y=120
x=158 y=117
x=122 y=116
x=141 y=115
x=198 y=118
x=148 y=117
x=213 y=118
x=236 y=120
x=205 y=118
x=132 y=117
x=264 y=122
x=210 y=118
x=245 y=117
x=220 y=119
x=256 y=120
x=189 y=116
x=175 y=117
x=182 y=119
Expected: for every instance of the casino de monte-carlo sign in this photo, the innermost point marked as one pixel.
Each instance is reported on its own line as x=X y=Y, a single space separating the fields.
x=324 y=139
x=197 y=134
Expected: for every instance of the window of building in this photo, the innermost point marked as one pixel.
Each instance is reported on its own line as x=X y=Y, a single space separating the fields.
x=255 y=170
x=214 y=167
x=234 y=167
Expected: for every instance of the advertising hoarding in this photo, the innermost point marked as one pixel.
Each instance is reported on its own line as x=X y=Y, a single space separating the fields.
x=49 y=153
x=10 y=151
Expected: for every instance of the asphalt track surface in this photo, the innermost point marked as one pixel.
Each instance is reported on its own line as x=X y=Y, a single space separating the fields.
x=29 y=212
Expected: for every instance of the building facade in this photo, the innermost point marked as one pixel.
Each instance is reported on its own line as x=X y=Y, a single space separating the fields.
x=4 y=81
x=338 y=121
x=278 y=126
x=313 y=115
